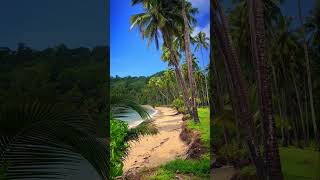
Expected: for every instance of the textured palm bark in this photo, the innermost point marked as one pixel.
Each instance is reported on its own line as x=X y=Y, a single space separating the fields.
x=182 y=84
x=175 y=62
x=257 y=34
x=240 y=87
x=189 y=63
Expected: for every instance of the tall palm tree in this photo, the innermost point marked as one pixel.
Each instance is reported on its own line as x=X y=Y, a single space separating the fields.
x=161 y=16
x=189 y=62
x=202 y=42
x=257 y=35
x=308 y=70
x=241 y=101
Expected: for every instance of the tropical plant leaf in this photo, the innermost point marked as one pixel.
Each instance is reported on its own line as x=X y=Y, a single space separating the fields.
x=39 y=139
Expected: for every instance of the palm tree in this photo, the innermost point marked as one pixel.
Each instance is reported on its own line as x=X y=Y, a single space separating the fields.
x=189 y=62
x=202 y=42
x=308 y=70
x=313 y=27
x=161 y=17
x=241 y=101
x=257 y=35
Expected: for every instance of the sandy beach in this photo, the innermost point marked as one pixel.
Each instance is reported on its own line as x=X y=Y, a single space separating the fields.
x=152 y=151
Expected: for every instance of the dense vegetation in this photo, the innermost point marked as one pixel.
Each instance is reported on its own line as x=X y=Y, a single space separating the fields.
x=264 y=85
x=53 y=104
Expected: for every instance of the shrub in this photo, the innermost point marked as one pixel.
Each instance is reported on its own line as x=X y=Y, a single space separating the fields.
x=118 y=146
x=178 y=104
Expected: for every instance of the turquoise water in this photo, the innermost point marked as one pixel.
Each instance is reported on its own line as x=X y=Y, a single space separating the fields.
x=133 y=118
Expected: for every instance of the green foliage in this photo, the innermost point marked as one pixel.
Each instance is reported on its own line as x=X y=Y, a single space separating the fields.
x=233 y=152
x=144 y=128
x=118 y=146
x=199 y=168
x=204 y=126
x=132 y=86
x=178 y=104
x=74 y=78
x=248 y=173
x=163 y=174
x=299 y=163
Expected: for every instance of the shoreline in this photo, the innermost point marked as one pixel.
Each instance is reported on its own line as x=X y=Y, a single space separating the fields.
x=136 y=123
x=154 y=150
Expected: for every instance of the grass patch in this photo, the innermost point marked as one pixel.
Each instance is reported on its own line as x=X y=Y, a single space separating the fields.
x=300 y=163
x=163 y=174
x=204 y=126
x=198 y=169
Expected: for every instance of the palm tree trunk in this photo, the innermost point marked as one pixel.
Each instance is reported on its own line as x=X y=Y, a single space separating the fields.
x=240 y=87
x=300 y=109
x=306 y=112
x=257 y=34
x=175 y=62
x=306 y=54
x=278 y=101
x=205 y=77
x=182 y=84
x=189 y=63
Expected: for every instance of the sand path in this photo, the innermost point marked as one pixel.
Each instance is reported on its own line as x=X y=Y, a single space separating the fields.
x=152 y=151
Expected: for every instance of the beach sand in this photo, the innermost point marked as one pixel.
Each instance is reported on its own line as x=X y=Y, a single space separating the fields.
x=152 y=151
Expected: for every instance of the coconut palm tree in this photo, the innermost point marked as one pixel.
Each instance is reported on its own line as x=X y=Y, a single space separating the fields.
x=257 y=36
x=308 y=70
x=239 y=85
x=161 y=16
x=189 y=62
x=202 y=42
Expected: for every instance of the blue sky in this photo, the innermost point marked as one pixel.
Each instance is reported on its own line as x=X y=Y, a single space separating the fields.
x=41 y=24
x=129 y=54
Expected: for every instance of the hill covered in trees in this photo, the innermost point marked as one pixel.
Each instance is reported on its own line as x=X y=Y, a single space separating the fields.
x=132 y=86
x=74 y=78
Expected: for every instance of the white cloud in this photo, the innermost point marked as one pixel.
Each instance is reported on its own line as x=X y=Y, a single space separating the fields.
x=205 y=29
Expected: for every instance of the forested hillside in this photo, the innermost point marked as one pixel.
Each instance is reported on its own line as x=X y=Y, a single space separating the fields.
x=73 y=78
x=132 y=87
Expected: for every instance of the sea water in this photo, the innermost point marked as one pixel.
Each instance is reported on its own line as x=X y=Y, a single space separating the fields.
x=133 y=118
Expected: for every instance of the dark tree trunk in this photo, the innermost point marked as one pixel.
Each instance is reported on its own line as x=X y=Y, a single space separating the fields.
x=240 y=87
x=175 y=62
x=257 y=34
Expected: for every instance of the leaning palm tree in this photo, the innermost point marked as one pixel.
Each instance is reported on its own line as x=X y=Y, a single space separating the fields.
x=161 y=16
x=186 y=30
x=240 y=101
x=201 y=41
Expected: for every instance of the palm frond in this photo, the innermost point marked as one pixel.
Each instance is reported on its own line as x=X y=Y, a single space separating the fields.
x=36 y=139
x=121 y=105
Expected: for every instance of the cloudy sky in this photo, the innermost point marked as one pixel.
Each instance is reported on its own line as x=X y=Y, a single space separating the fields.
x=130 y=54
